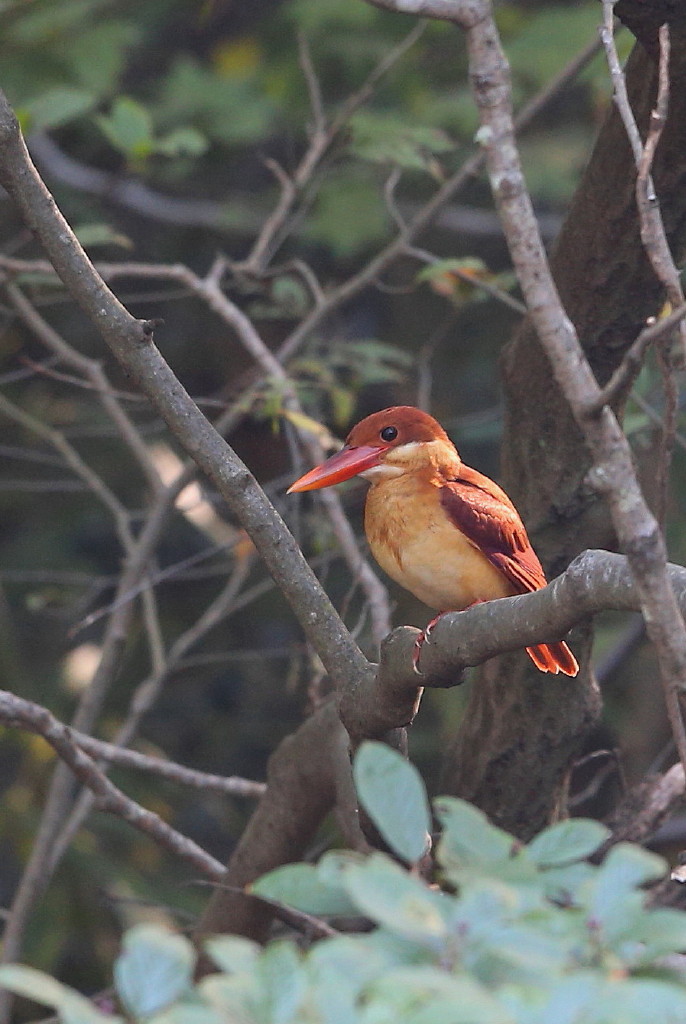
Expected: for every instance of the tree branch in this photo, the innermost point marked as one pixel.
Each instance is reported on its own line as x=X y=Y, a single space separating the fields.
x=19 y=713
x=302 y=782
x=636 y=527
x=131 y=342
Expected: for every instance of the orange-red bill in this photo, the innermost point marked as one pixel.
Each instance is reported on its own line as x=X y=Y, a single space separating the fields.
x=341 y=466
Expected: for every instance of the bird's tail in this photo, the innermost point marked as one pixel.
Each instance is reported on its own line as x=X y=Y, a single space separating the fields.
x=554 y=658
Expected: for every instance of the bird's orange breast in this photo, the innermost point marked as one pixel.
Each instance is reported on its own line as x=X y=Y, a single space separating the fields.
x=416 y=543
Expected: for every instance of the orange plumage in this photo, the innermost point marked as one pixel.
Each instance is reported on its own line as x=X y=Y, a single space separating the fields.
x=440 y=529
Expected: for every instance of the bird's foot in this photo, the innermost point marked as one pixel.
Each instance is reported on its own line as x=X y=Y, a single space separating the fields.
x=422 y=639
x=426 y=633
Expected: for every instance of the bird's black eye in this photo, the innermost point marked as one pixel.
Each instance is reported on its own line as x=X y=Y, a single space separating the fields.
x=388 y=433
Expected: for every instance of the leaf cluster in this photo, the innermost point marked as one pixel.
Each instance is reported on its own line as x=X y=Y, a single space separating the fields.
x=128 y=86
x=506 y=934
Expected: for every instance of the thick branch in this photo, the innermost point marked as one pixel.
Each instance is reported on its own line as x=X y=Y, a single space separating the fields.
x=638 y=532
x=302 y=782
x=595 y=581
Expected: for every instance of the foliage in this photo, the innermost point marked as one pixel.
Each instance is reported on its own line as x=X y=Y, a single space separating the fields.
x=514 y=935
x=212 y=98
x=187 y=100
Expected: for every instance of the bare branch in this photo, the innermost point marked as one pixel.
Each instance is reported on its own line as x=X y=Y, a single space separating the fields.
x=131 y=342
x=147 y=692
x=36 y=875
x=323 y=135
x=647 y=806
x=653 y=234
x=19 y=713
x=33 y=717
x=250 y=338
x=637 y=529
x=92 y=481
x=621 y=380
x=93 y=371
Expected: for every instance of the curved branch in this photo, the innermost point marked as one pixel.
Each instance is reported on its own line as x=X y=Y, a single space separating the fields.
x=595 y=581
x=302 y=782
x=23 y=714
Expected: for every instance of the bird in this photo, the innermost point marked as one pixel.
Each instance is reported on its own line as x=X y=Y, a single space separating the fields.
x=442 y=530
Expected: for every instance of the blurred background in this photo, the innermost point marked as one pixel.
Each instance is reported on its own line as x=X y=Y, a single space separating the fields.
x=165 y=130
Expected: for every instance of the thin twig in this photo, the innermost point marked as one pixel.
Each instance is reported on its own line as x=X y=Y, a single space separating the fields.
x=249 y=337
x=313 y=86
x=20 y=714
x=147 y=692
x=313 y=927
x=632 y=363
x=32 y=717
x=653 y=234
x=323 y=135
x=428 y=212
x=95 y=374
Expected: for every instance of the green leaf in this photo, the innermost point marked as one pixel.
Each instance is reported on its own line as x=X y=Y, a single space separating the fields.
x=56 y=107
x=92 y=235
x=377 y=351
x=342 y=405
x=390 y=139
x=233 y=995
x=660 y=932
x=182 y=142
x=566 y=842
x=393 y=794
x=43 y=23
x=281 y=982
x=347 y=213
x=128 y=127
x=301 y=886
x=397 y=900
x=154 y=969
x=313 y=16
x=427 y=995
x=469 y=840
x=233 y=953
x=97 y=54
x=624 y=869
x=333 y=865
x=72 y=1007
x=563 y=883
x=288 y=299
x=338 y=969
x=470 y=265
x=613 y=900
x=229 y=110
x=570 y=1001
x=188 y=1011
x=639 y=1001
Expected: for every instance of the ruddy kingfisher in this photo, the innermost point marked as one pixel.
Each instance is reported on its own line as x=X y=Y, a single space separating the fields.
x=443 y=531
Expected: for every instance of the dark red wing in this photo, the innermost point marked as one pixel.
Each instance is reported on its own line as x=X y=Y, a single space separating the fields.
x=485 y=514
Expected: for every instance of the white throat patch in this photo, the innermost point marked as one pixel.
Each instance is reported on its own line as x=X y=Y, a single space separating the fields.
x=395 y=463
x=384 y=471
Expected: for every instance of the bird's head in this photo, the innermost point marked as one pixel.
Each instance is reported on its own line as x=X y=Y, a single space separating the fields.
x=389 y=443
